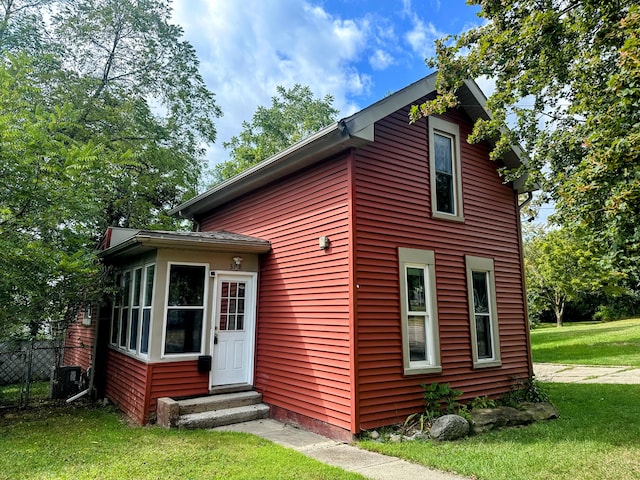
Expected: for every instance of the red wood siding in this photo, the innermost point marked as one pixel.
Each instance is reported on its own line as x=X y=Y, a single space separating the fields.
x=79 y=343
x=174 y=379
x=134 y=386
x=126 y=385
x=303 y=344
x=393 y=209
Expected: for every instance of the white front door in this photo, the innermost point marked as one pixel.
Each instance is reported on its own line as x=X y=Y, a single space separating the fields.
x=233 y=335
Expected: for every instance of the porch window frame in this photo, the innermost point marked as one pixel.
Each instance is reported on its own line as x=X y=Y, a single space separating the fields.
x=486 y=266
x=424 y=260
x=204 y=307
x=438 y=126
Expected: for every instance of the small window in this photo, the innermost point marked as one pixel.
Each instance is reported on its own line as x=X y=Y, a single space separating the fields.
x=483 y=312
x=421 y=348
x=87 y=313
x=146 y=309
x=444 y=163
x=185 y=309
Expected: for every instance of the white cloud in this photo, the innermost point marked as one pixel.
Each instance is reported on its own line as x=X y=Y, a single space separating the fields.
x=248 y=48
x=422 y=36
x=380 y=60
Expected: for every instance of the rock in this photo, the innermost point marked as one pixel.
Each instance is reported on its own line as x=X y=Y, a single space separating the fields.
x=542 y=410
x=485 y=419
x=375 y=435
x=395 y=438
x=449 y=427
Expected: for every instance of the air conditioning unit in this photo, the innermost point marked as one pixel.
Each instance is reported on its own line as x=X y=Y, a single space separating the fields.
x=65 y=381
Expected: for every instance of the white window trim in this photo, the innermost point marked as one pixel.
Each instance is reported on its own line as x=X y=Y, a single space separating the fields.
x=437 y=125
x=480 y=264
x=425 y=259
x=204 y=311
x=145 y=271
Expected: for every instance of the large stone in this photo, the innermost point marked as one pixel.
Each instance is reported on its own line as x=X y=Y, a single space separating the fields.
x=485 y=419
x=449 y=427
x=541 y=410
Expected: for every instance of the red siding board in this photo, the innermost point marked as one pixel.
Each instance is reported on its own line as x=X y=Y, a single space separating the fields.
x=302 y=341
x=394 y=210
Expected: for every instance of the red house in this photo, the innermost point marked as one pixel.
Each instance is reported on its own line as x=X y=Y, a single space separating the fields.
x=367 y=259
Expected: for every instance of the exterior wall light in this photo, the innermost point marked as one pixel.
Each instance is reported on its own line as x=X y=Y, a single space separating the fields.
x=324 y=243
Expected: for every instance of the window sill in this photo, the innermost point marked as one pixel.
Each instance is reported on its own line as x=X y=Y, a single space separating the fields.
x=447 y=216
x=487 y=364
x=422 y=370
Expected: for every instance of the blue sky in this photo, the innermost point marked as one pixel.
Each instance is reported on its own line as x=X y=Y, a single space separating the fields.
x=356 y=50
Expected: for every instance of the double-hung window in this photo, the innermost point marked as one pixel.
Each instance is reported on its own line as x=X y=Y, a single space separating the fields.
x=483 y=312
x=184 y=321
x=444 y=163
x=420 y=342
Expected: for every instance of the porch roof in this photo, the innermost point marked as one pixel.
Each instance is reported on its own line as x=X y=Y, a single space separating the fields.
x=122 y=243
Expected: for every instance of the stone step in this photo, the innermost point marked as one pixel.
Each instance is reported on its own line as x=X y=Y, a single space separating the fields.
x=226 y=416
x=218 y=402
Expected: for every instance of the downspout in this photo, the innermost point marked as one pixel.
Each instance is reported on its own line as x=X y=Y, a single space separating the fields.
x=524 y=285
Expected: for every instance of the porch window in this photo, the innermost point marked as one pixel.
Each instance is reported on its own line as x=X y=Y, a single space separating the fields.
x=185 y=309
x=421 y=348
x=444 y=163
x=483 y=312
x=131 y=313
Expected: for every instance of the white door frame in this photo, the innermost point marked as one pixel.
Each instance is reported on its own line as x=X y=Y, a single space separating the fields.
x=248 y=356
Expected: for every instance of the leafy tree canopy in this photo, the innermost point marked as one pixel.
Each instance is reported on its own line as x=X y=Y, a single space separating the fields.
x=561 y=265
x=567 y=77
x=293 y=115
x=104 y=118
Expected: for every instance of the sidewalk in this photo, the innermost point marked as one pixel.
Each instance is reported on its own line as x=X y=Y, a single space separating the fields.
x=551 y=372
x=372 y=465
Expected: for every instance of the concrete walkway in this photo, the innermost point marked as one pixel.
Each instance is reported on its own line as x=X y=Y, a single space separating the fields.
x=551 y=372
x=369 y=464
x=382 y=467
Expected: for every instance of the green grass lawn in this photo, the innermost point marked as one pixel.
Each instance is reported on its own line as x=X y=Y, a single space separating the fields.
x=87 y=443
x=597 y=437
x=612 y=343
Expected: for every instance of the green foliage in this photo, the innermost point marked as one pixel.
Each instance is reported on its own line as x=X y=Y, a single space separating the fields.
x=567 y=78
x=294 y=114
x=104 y=118
x=562 y=264
x=482 y=402
x=439 y=399
x=529 y=390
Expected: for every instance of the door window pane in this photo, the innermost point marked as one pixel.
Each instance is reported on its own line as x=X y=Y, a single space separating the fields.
x=232 y=305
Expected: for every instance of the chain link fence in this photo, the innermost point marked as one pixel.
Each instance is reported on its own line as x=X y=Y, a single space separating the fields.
x=31 y=370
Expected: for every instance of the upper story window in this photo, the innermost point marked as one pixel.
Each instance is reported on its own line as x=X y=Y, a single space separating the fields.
x=184 y=321
x=444 y=163
x=483 y=312
x=420 y=342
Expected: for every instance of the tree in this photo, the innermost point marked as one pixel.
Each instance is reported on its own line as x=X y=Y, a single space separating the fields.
x=104 y=121
x=567 y=83
x=560 y=265
x=294 y=114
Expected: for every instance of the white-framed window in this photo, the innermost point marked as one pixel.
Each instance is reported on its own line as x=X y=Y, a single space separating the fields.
x=147 y=302
x=131 y=312
x=184 y=317
x=418 y=308
x=483 y=312
x=87 y=313
x=445 y=168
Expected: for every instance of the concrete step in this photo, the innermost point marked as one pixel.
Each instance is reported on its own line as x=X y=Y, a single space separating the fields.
x=225 y=416
x=218 y=402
